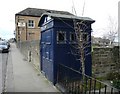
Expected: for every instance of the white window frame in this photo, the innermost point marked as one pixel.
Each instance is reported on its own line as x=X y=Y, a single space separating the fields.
x=31 y=24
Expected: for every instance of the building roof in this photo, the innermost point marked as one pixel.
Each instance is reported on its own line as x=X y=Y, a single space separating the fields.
x=38 y=12
x=64 y=16
x=56 y=15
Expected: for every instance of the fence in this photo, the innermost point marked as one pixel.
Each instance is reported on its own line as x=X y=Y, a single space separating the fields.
x=73 y=82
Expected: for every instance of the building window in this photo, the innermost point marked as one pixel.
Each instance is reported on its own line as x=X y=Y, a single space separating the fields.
x=61 y=37
x=72 y=37
x=31 y=23
x=47 y=19
x=85 y=37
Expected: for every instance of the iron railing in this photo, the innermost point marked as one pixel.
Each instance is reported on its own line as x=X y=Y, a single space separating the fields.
x=74 y=82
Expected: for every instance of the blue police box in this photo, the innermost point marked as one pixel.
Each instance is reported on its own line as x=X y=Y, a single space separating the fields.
x=57 y=41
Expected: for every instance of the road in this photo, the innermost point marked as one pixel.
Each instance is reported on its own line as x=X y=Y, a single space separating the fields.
x=3 y=69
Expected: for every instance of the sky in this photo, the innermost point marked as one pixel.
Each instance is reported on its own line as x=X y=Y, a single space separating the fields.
x=99 y=10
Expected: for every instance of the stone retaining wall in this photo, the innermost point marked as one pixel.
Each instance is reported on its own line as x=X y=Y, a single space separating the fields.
x=30 y=49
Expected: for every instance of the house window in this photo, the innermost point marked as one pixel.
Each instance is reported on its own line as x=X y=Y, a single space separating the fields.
x=61 y=37
x=31 y=23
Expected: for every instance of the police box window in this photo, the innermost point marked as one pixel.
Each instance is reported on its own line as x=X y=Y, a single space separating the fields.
x=61 y=37
x=85 y=37
x=72 y=37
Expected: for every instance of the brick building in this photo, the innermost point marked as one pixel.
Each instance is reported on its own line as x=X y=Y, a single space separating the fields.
x=26 y=23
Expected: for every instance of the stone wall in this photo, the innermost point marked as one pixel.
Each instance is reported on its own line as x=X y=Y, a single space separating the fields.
x=104 y=61
x=31 y=52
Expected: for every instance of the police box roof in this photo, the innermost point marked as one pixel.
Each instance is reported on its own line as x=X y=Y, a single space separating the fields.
x=63 y=16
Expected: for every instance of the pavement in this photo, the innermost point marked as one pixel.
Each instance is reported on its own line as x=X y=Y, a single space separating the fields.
x=23 y=77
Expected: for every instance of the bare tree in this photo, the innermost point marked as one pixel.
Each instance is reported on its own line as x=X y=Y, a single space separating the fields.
x=83 y=39
x=112 y=30
x=83 y=43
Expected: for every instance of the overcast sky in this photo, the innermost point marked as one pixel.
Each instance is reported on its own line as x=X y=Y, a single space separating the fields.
x=99 y=10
